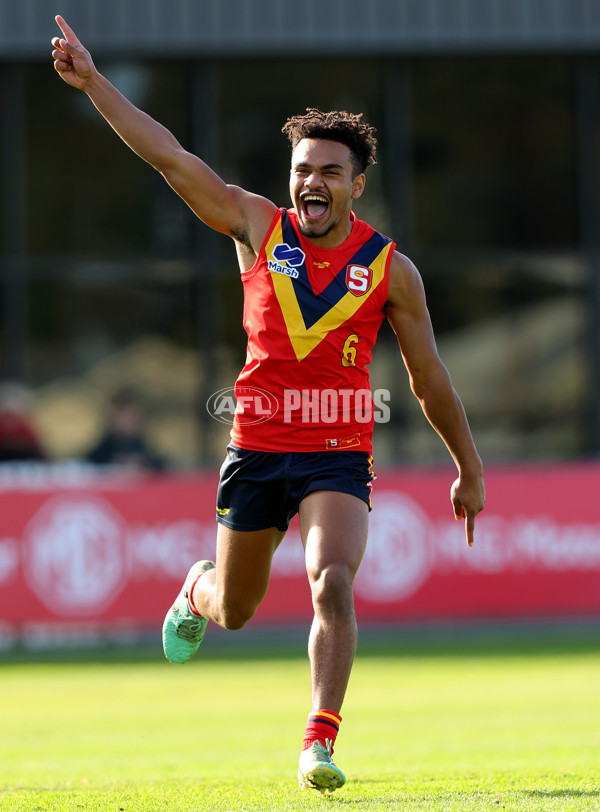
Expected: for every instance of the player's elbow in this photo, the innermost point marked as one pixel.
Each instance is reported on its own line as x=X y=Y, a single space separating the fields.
x=419 y=385
x=429 y=382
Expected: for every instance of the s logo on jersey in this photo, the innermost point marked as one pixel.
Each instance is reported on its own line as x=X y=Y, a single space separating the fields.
x=358 y=279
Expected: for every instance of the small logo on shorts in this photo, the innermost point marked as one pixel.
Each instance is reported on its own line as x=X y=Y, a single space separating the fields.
x=346 y=442
x=223 y=511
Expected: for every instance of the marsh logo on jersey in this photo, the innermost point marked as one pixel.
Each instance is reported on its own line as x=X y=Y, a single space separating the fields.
x=287 y=259
x=358 y=279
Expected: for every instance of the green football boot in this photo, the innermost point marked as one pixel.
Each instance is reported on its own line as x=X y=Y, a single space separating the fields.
x=182 y=630
x=316 y=769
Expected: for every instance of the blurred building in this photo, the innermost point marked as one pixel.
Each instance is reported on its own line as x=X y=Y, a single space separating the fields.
x=488 y=115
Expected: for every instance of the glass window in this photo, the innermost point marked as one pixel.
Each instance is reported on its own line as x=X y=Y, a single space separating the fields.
x=88 y=194
x=494 y=150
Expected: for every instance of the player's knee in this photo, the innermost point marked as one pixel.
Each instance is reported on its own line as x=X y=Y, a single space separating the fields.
x=332 y=586
x=234 y=616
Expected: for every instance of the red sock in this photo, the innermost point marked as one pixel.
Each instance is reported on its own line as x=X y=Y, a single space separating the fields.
x=189 y=595
x=321 y=725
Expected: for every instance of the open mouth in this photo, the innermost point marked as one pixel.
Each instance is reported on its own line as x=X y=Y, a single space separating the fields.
x=315 y=207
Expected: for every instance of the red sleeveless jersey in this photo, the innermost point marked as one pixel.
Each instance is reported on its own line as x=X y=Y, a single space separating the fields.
x=312 y=316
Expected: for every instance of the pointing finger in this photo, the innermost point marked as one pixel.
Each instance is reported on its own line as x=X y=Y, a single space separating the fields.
x=68 y=32
x=470 y=529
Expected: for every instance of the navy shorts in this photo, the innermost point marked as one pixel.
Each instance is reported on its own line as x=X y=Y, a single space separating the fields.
x=261 y=489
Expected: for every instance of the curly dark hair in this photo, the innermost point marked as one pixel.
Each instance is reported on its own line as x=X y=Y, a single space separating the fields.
x=347 y=128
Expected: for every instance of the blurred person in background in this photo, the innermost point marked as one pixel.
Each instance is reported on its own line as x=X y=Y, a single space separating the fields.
x=18 y=436
x=123 y=444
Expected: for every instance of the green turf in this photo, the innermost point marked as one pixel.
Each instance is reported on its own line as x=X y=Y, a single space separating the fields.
x=439 y=728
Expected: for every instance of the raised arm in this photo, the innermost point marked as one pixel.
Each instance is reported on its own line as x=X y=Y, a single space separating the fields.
x=430 y=382
x=228 y=209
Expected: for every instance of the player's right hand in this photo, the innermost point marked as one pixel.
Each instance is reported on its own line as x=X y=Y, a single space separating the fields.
x=71 y=60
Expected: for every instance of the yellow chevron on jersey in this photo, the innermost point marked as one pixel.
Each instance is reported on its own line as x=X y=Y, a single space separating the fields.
x=306 y=324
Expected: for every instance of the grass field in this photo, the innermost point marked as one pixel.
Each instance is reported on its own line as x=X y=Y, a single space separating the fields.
x=475 y=726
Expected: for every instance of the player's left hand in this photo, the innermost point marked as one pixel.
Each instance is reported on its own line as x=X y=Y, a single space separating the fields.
x=468 y=498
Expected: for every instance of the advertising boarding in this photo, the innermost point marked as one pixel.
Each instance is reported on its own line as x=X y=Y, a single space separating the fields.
x=103 y=554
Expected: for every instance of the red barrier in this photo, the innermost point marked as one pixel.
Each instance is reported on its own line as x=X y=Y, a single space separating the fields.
x=111 y=552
